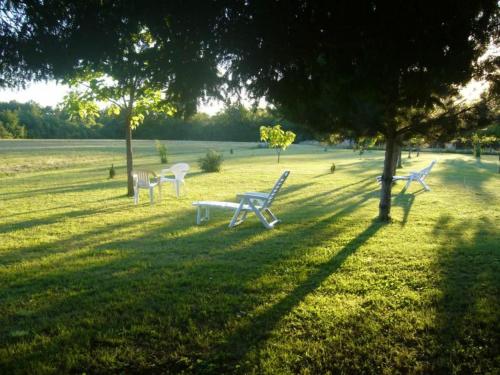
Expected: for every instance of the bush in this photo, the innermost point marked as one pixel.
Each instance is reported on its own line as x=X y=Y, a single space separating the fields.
x=112 y=171
x=211 y=162
x=162 y=151
x=332 y=168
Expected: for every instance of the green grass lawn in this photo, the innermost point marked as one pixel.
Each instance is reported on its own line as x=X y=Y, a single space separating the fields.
x=91 y=283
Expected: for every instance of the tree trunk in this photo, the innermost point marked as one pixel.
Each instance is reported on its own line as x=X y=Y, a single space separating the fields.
x=395 y=157
x=400 y=157
x=477 y=150
x=279 y=153
x=130 y=165
x=418 y=152
x=385 y=192
x=409 y=152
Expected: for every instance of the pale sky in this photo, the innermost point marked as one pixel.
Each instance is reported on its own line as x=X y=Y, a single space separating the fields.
x=50 y=94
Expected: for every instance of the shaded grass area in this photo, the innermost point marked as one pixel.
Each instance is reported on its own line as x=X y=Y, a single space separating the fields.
x=91 y=283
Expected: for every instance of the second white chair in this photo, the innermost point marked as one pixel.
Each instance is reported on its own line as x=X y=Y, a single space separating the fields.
x=179 y=171
x=145 y=180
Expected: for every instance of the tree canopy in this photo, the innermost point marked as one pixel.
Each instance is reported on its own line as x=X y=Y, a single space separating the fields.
x=362 y=66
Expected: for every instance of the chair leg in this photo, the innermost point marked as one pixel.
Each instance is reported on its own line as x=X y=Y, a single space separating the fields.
x=262 y=218
x=198 y=215
x=273 y=217
x=177 y=188
x=408 y=184
x=234 y=220
x=426 y=187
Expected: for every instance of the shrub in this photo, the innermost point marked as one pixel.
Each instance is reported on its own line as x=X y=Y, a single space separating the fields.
x=332 y=168
x=162 y=151
x=211 y=162
x=112 y=171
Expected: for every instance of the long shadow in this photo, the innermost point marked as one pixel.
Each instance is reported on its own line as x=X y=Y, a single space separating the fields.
x=31 y=223
x=468 y=174
x=22 y=213
x=258 y=330
x=405 y=201
x=158 y=273
x=468 y=320
x=62 y=189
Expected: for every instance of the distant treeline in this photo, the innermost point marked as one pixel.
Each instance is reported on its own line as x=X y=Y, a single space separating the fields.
x=29 y=120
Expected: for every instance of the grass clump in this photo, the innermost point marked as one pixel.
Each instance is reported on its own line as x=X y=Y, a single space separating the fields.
x=211 y=162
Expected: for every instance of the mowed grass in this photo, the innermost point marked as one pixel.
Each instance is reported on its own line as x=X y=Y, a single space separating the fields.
x=91 y=283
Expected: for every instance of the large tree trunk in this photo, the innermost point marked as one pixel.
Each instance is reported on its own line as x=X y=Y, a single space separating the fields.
x=389 y=168
x=130 y=165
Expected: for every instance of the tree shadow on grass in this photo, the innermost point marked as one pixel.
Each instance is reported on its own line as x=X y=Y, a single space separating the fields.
x=250 y=336
x=405 y=201
x=63 y=189
x=468 y=336
x=172 y=291
x=468 y=174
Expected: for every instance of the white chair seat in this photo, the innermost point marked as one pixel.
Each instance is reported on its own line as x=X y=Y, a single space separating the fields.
x=143 y=180
x=229 y=205
x=179 y=171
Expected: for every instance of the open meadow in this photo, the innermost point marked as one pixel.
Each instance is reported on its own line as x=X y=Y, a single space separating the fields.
x=91 y=283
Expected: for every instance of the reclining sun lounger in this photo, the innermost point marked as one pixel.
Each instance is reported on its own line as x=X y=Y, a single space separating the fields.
x=258 y=203
x=414 y=176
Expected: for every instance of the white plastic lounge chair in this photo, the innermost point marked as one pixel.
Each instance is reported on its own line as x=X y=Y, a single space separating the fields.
x=258 y=203
x=142 y=180
x=414 y=176
x=179 y=171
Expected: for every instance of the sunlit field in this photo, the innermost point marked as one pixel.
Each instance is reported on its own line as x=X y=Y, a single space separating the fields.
x=91 y=283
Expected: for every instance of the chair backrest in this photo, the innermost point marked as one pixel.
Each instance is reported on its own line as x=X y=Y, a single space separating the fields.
x=141 y=178
x=424 y=172
x=276 y=189
x=179 y=170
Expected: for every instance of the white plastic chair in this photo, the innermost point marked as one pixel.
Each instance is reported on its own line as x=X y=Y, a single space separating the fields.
x=143 y=180
x=414 y=176
x=258 y=203
x=179 y=171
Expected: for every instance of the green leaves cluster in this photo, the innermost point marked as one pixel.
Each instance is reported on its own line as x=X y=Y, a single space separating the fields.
x=277 y=138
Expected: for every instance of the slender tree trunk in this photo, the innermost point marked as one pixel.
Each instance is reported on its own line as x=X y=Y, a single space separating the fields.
x=130 y=163
x=400 y=157
x=279 y=153
x=409 y=152
x=418 y=152
x=385 y=192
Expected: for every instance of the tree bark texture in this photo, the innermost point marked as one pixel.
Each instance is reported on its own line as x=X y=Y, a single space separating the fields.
x=400 y=157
